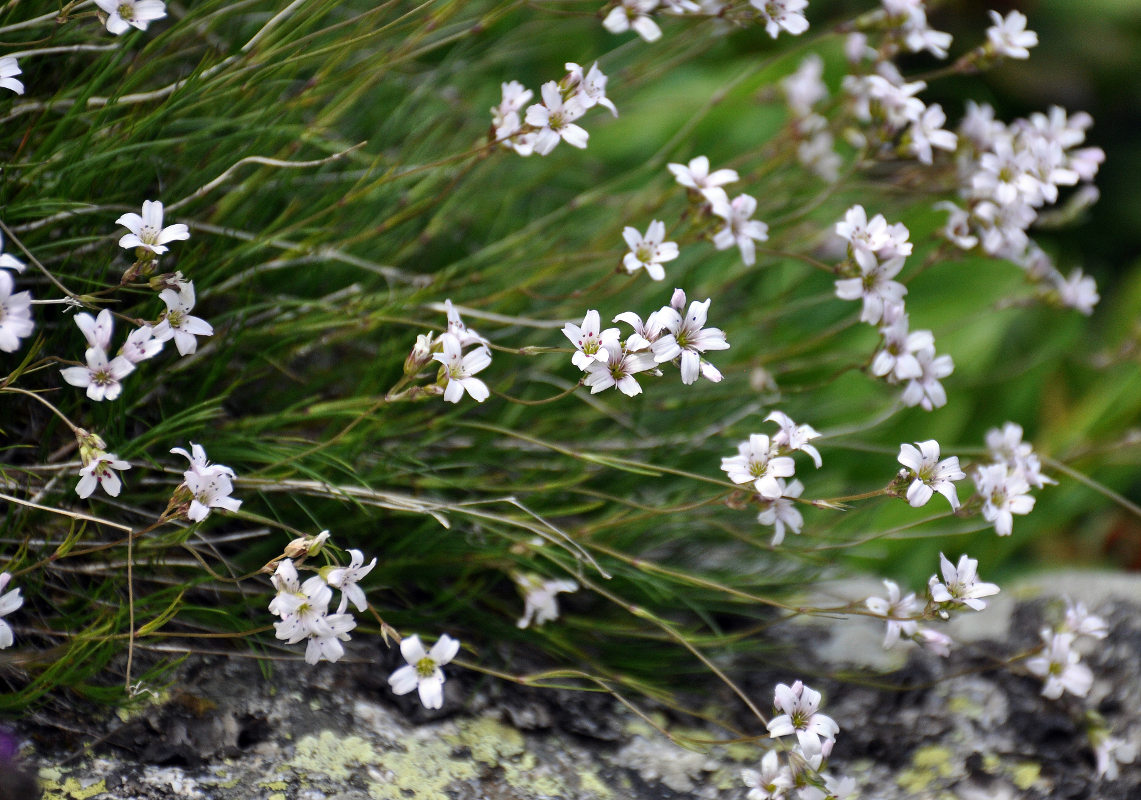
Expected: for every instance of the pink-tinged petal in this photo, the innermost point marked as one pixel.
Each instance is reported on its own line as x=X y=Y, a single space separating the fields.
x=77 y=376
x=780 y=726
x=690 y=367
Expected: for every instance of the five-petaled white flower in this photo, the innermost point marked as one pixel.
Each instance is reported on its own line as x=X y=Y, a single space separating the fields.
x=459 y=370
x=634 y=14
x=650 y=251
x=771 y=782
x=962 y=586
x=897 y=611
x=540 y=603
x=930 y=474
x=9 y=69
x=210 y=485
x=1004 y=494
x=141 y=344
x=782 y=14
x=423 y=671
x=147 y=232
x=1061 y=666
x=619 y=369
x=801 y=715
x=555 y=118
x=874 y=285
x=177 y=323
x=1009 y=37
x=740 y=229
x=925 y=390
x=100 y=377
x=100 y=471
x=755 y=462
x=794 y=437
x=590 y=87
x=9 y=602
x=588 y=339
x=696 y=175
x=782 y=512
x=688 y=338
x=347 y=578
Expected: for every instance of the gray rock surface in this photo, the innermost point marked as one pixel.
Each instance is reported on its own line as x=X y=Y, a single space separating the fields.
x=961 y=728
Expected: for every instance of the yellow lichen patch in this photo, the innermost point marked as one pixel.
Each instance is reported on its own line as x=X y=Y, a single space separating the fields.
x=332 y=755
x=590 y=783
x=70 y=788
x=965 y=707
x=489 y=740
x=1025 y=774
x=425 y=767
x=928 y=763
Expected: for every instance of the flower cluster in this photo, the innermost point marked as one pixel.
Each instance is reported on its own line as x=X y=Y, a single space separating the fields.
x=959 y=589
x=765 y=462
x=208 y=485
x=1004 y=484
x=797 y=772
x=876 y=254
x=122 y=15
x=666 y=335
x=99 y=467
x=638 y=15
x=456 y=373
x=737 y=226
x=1007 y=173
x=926 y=474
x=803 y=91
x=543 y=125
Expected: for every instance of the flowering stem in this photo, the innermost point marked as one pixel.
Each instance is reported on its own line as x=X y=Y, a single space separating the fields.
x=54 y=410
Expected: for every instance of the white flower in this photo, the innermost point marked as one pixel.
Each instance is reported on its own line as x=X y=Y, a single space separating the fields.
x=689 y=338
x=897 y=612
x=303 y=609
x=147 y=231
x=8 y=261
x=1004 y=493
x=645 y=333
x=782 y=512
x=209 y=491
x=1082 y=623
x=539 y=599
x=460 y=369
x=1006 y=447
x=924 y=390
x=198 y=462
x=773 y=780
x=931 y=475
x=618 y=369
x=1109 y=752
x=325 y=641
x=591 y=87
x=122 y=14
x=804 y=88
x=100 y=377
x=786 y=14
x=555 y=120
x=872 y=241
x=1078 y=292
x=9 y=68
x=1009 y=37
x=895 y=360
x=794 y=437
x=927 y=132
x=100 y=471
x=457 y=328
x=15 y=313
x=178 y=324
x=289 y=596
x=801 y=716
x=696 y=175
x=140 y=345
x=9 y=602
x=588 y=339
x=876 y=288
x=634 y=14
x=962 y=586
x=740 y=228
x=756 y=462
x=423 y=671
x=347 y=578
x=957 y=231
x=1060 y=665
x=97 y=330
x=650 y=251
